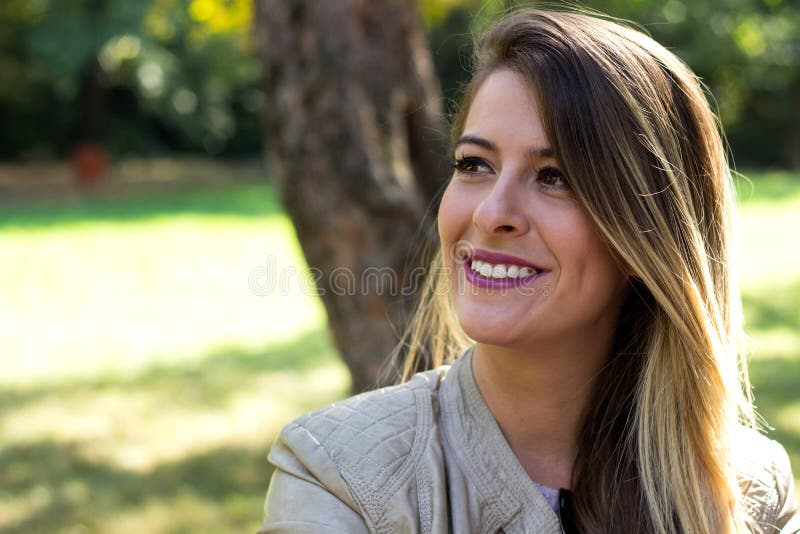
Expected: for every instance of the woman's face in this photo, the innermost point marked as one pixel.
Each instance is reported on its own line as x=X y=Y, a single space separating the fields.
x=544 y=271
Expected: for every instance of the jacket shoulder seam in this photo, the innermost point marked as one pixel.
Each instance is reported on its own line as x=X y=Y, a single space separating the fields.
x=372 y=439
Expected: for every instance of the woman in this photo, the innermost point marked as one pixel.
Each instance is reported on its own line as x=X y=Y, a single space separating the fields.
x=585 y=268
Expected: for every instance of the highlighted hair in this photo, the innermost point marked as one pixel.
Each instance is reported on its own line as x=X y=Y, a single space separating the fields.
x=632 y=129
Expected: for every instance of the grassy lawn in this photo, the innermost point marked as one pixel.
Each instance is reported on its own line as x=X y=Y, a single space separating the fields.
x=144 y=378
x=770 y=281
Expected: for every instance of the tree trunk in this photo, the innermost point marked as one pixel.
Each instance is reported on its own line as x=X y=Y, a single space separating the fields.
x=356 y=144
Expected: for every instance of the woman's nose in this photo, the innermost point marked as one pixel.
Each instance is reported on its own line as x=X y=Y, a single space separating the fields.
x=499 y=213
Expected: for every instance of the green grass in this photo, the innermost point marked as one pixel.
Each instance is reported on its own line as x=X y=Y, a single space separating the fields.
x=241 y=201
x=770 y=282
x=143 y=380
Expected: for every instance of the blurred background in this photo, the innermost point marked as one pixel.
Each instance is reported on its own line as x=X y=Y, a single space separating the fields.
x=145 y=366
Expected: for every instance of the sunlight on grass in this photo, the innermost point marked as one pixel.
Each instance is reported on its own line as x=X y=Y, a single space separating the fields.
x=137 y=429
x=100 y=297
x=770 y=279
x=777 y=342
x=183 y=513
x=788 y=417
x=765 y=257
x=140 y=360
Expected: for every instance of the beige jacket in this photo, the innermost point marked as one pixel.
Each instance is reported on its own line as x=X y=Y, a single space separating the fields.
x=427 y=456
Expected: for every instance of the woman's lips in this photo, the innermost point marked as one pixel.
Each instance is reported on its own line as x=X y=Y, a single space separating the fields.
x=499 y=271
x=497 y=258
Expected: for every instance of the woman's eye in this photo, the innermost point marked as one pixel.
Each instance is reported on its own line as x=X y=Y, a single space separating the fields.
x=552 y=178
x=471 y=165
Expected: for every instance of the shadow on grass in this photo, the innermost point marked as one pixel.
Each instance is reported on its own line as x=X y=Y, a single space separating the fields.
x=206 y=382
x=776 y=378
x=72 y=490
x=239 y=199
x=776 y=382
x=61 y=485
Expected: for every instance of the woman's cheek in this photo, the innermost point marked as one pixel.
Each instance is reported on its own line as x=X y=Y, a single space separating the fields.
x=448 y=215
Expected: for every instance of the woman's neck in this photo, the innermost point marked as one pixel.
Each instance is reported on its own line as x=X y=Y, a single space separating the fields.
x=538 y=399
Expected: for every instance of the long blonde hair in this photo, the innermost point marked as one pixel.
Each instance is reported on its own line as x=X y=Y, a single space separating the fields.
x=634 y=133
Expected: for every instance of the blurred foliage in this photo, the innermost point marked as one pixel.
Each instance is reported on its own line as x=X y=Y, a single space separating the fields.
x=176 y=75
x=746 y=51
x=181 y=74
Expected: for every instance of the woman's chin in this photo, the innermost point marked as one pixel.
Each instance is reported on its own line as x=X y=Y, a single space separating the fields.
x=497 y=335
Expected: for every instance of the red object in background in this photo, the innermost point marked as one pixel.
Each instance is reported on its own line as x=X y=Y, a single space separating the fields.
x=90 y=161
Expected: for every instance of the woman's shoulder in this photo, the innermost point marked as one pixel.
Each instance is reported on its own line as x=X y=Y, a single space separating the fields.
x=765 y=475
x=390 y=413
x=359 y=452
x=370 y=432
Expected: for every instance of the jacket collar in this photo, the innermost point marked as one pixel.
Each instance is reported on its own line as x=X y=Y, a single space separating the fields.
x=482 y=452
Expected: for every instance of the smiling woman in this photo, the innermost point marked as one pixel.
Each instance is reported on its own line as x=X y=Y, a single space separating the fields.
x=580 y=325
x=510 y=206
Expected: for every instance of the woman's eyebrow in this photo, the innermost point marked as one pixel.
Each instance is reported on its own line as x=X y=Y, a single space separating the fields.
x=535 y=152
x=480 y=141
x=541 y=152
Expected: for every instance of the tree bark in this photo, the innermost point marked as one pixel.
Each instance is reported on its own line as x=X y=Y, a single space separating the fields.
x=357 y=147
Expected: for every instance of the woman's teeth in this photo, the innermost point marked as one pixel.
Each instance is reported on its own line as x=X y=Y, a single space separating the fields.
x=488 y=270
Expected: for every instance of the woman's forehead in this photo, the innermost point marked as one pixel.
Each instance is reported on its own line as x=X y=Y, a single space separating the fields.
x=504 y=102
x=504 y=112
